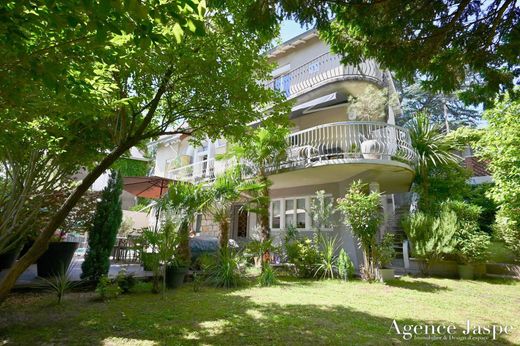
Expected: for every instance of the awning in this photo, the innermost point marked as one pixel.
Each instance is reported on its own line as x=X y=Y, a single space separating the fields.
x=318 y=103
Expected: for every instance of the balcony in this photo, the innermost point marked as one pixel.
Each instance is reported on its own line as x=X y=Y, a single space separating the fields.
x=352 y=147
x=324 y=69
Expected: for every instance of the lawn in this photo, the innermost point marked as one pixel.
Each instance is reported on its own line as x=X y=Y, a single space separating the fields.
x=296 y=312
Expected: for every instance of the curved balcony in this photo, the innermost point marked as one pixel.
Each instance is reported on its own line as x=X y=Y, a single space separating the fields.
x=335 y=152
x=324 y=69
x=352 y=141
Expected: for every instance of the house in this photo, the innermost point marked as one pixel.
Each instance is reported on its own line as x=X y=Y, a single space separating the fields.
x=329 y=147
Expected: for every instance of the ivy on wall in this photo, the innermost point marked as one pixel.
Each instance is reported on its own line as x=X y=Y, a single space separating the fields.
x=130 y=167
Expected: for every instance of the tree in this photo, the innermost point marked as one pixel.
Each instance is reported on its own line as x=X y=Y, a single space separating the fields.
x=416 y=99
x=226 y=190
x=204 y=86
x=184 y=200
x=443 y=40
x=433 y=150
x=363 y=213
x=260 y=152
x=500 y=145
x=103 y=232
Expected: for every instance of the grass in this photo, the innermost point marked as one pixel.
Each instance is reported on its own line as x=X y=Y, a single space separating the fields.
x=295 y=312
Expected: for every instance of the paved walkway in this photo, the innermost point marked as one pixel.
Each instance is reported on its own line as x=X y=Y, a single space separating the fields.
x=30 y=279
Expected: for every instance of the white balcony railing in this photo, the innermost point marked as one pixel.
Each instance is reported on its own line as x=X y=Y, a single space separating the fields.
x=323 y=69
x=342 y=142
x=350 y=140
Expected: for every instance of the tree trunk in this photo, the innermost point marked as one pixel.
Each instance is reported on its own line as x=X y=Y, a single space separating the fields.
x=264 y=215
x=42 y=242
x=184 y=243
x=224 y=233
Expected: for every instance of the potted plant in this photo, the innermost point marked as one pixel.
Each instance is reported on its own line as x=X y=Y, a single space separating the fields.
x=56 y=259
x=7 y=258
x=175 y=273
x=385 y=254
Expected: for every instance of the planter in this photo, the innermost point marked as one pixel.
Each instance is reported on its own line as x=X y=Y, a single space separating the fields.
x=8 y=258
x=370 y=149
x=28 y=244
x=386 y=274
x=466 y=271
x=445 y=269
x=479 y=270
x=56 y=259
x=175 y=276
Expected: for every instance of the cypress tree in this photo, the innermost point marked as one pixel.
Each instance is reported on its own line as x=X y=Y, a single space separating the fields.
x=103 y=231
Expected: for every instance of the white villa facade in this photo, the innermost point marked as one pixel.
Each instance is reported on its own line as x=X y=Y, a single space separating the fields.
x=329 y=147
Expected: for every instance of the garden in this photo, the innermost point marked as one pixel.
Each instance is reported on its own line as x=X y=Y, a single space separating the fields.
x=84 y=83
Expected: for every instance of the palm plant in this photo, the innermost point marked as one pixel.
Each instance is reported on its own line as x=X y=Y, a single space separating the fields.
x=225 y=191
x=185 y=200
x=260 y=152
x=226 y=271
x=432 y=149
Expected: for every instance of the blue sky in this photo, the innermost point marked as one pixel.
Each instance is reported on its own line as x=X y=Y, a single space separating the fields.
x=290 y=29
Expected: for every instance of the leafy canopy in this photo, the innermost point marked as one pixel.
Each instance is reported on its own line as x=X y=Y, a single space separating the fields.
x=443 y=40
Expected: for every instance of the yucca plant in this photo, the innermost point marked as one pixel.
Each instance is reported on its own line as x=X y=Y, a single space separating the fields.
x=227 y=270
x=327 y=265
x=60 y=283
x=268 y=276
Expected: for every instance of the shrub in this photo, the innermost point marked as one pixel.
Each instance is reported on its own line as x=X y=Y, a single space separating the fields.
x=363 y=214
x=431 y=237
x=125 y=281
x=60 y=283
x=107 y=289
x=227 y=270
x=471 y=244
x=326 y=266
x=385 y=252
x=267 y=276
x=305 y=256
x=345 y=266
x=102 y=234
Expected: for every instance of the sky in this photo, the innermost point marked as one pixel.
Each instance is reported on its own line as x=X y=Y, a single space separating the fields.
x=290 y=29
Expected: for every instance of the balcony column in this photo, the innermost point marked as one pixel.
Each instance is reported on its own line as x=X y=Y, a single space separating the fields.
x=211 y=159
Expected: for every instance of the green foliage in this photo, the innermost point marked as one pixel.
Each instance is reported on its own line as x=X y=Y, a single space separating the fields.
x=446 y=42
x=346 y=269
x=384 y=251
x=433 y=150
x=322 y=211
x=226 y=271
x=125 y=281
x=184 y=200
x=371 y=105
x=415 y=99
x=267 y=276
x=102 y=234
x=431 y=237
x=107 y=289
x=61 y=283
x=128 y=167
x=362 y=212
x=500 y=145
x=478 y=195
x=328 y=249
x=447 y=181
x=305 y=255
x=260 y=151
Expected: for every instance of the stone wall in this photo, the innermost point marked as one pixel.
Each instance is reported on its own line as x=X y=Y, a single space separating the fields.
x=209 y=228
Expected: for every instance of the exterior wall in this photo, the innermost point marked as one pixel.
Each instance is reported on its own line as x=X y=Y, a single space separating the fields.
x=297 y=57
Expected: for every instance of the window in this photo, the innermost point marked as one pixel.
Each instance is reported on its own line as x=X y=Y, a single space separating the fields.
x=294 y=212
x=198 y=223
x=326 y=209
x=275 y=214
